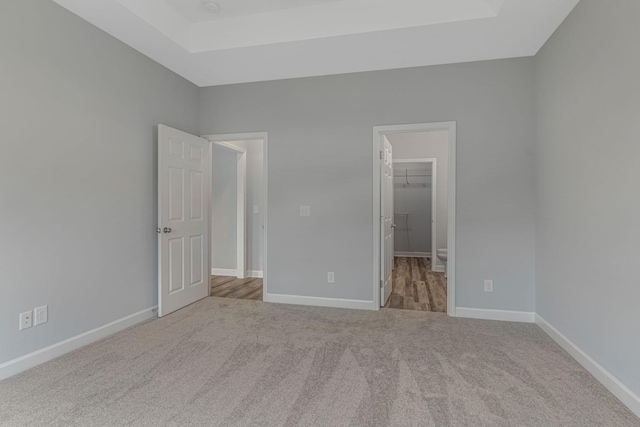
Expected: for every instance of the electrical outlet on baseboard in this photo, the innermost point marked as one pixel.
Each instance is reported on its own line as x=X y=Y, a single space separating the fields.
x=488 y=285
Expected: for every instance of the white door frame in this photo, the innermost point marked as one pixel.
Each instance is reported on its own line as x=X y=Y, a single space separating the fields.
x=251 y=136
x=241 y=206
x=378 y=133
x=434 y=201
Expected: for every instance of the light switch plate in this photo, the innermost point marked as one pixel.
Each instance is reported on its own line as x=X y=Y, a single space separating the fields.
x=256 y=209
x=305 y=210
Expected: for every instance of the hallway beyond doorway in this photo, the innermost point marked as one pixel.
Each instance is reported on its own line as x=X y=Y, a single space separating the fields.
x=232 y=287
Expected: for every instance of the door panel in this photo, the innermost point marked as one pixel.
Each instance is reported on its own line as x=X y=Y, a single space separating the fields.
x=197 y=260
x=175 y=195
x=197 y=195
x=183 y=243
x=176 y=265
x=387 y=222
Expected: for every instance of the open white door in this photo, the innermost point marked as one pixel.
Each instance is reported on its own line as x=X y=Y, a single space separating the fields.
x=386 y=222
x=183 y=212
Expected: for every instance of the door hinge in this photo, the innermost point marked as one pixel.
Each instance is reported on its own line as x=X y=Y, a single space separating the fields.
x=382 y=283
x=381 y=155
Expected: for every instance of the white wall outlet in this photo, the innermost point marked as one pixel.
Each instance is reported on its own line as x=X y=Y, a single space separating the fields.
x=26 y=320
x=331 y=277
x=305 y=210
x=40 y=315
x=256 y=209
x=488 y=285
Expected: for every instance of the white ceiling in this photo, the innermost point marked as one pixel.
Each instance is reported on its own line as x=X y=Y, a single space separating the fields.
x=194 y=12
x=257 y=40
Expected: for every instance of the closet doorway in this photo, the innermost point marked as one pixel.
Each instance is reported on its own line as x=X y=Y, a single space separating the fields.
x=418 y=282
x=415 y=240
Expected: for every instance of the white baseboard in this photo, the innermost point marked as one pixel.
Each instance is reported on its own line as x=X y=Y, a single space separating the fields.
x=503 y=315
x=613 y=384
x=22 y=363
x=320 y=301
x=412 y=254
x=258 y=274
x=224 y=272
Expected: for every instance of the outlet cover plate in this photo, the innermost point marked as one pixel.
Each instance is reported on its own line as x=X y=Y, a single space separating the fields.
x=40 y=315
x=331 y=277
x=488 y=285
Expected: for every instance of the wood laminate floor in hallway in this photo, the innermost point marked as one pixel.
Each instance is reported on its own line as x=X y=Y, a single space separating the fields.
x=416 y=287
x=232 y=287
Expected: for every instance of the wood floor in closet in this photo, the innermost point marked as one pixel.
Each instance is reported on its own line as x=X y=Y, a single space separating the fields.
x=416 y=287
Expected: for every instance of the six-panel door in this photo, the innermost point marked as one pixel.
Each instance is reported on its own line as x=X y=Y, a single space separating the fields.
x=183 y=247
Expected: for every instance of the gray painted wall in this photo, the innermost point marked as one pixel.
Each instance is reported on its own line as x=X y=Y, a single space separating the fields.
x=587 y=175
x=78 y=114
x=433 y=144
x=320 y=154
x=412 y=207
x=255 y=232
x=224 y=197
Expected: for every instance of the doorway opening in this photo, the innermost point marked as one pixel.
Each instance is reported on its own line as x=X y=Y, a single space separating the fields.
x=228 y=219
x=414 y=243
x=238 y=213
x=418 y=281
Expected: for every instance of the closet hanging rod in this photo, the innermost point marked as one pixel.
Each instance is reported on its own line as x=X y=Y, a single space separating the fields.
x=419 y=171
x=399 y=174
x=402 y=174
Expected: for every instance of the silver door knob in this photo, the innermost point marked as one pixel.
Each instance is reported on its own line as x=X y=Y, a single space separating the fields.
x=166 y=230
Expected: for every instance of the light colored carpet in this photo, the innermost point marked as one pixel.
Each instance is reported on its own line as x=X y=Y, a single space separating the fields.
x=247 y=363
